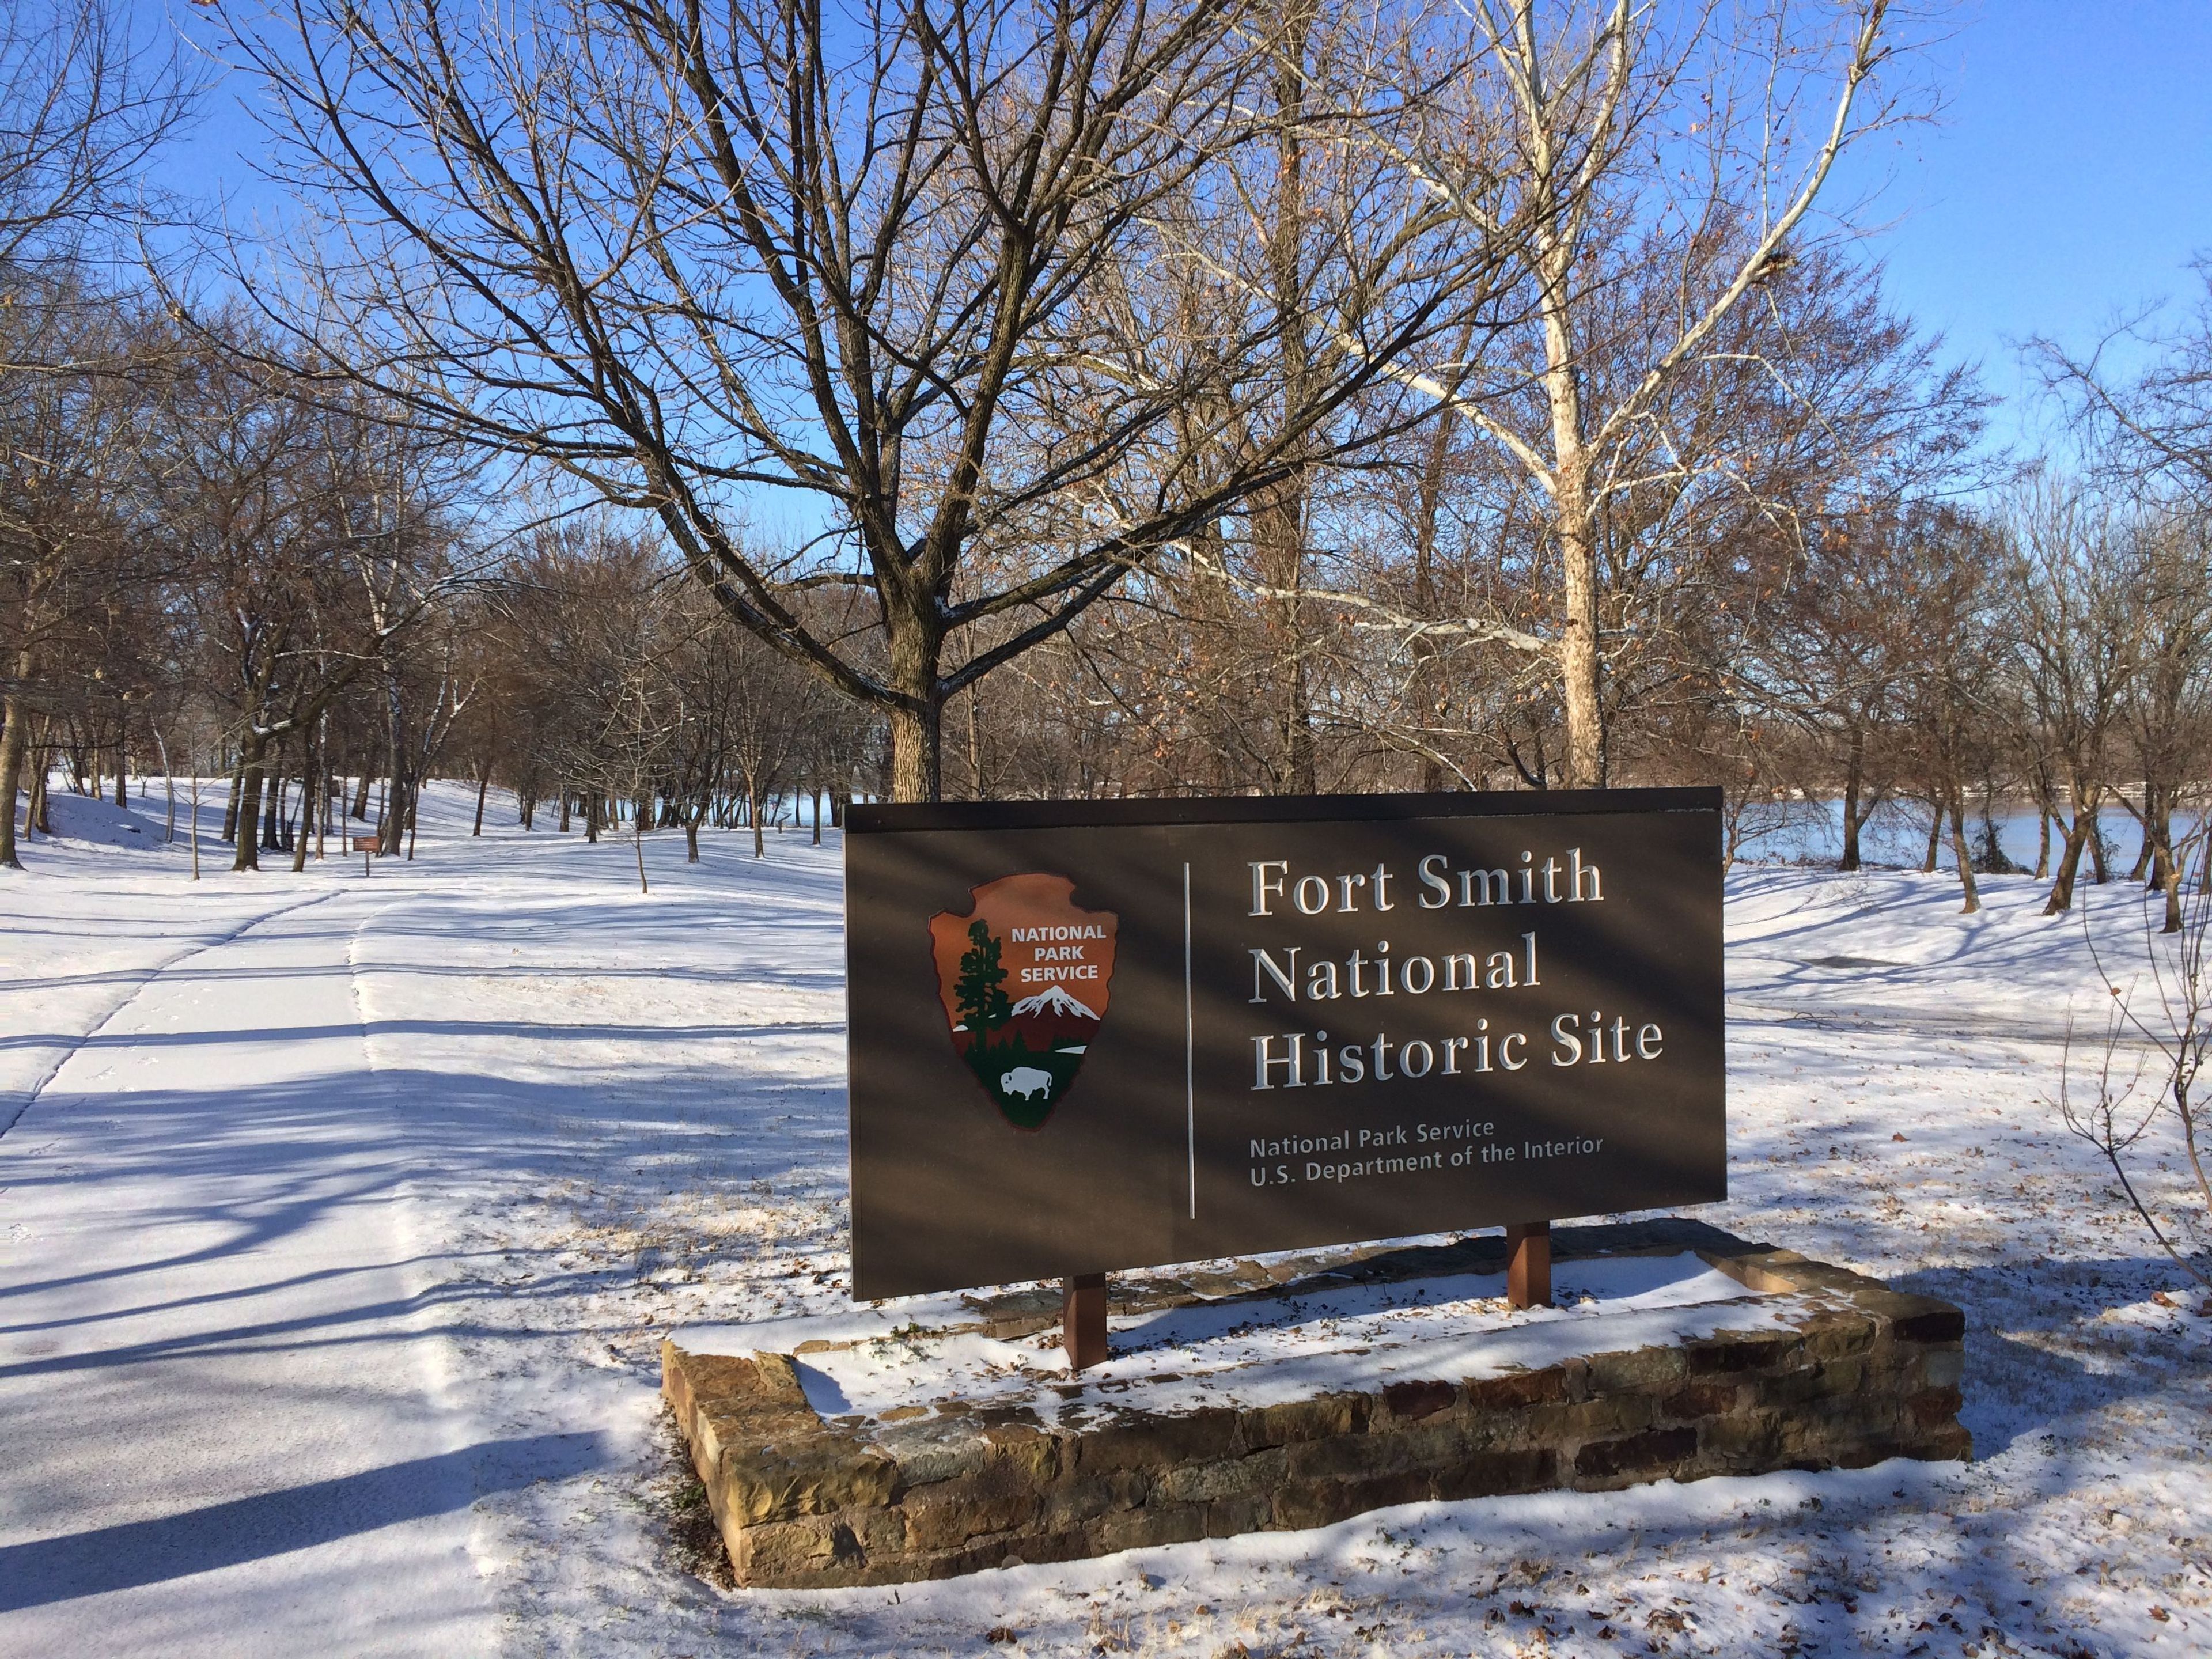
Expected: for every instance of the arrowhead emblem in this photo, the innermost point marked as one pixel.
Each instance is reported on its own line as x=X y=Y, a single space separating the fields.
x=1024 y=977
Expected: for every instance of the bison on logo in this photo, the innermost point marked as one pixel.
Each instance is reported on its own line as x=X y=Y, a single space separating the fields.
x=1024 y=977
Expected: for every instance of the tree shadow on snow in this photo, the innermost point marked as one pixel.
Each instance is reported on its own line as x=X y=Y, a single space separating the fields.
x=262 y=1167
x=2017 y=1386
x=218 y=1536
x=534 y=1030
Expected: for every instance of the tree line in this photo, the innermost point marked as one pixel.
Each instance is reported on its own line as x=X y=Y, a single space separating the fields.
x=663 y=413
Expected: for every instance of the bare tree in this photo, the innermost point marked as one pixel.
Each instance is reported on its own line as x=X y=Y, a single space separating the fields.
x=1954 y=655
x=74 y=470
x=82 y=107
x=2152 y=425
x=2075 y=630
x=1681 y=155
x=1834 y=656
x=2167 y=706
x=686 y=256
x=2166 y=1006
x=313 y=545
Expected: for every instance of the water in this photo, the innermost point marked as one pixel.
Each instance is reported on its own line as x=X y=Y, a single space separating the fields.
x=1811 y=832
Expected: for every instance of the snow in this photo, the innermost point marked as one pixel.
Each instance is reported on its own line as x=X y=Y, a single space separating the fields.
x=345 y=1215
x=1054 y=1000
x=1244 y=1353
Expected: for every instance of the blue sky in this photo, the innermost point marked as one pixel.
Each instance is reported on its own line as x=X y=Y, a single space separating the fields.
x=2067 y=180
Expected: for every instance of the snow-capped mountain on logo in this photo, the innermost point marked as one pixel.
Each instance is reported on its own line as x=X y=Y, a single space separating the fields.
x=1051 y=1000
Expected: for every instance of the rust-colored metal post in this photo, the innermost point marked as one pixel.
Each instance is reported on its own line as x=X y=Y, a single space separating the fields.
x=1529 y=1265
x=1083 y=1320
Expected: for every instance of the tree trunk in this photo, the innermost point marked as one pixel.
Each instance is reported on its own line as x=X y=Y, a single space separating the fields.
x=272 y=801
x=1959 y=851
x=237 y=794
x=975 y=748
x=1279 y=537
x=483 y=788
x=392 y=815
x=1428 y=690
x=917 y=640
x=814 y=802
x=168 y=782
x=14 y=738
x=2100 y=875
x=34 y=812
x=392 y=823
x=2167 y=877
x=1297 y=714
x=1995 y=859
x=393 y=828
x=1854 y=779
x=307 y=825
x=567 y=796
x=2042 y=842
x=916 y=758
x=2146 y=849
x=1277 y=523
x=361 y=795
x=1580 y=688
x=247 y=781
x=753 y=813
x=1935 y=836
x=2069 y=861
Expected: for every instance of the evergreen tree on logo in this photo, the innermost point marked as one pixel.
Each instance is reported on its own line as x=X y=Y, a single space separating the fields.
x=979 y=990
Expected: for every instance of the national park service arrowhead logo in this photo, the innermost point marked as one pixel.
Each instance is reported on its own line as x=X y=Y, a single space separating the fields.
x=1024 y=977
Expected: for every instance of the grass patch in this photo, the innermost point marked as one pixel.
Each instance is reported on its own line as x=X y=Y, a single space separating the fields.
x=695 y=1542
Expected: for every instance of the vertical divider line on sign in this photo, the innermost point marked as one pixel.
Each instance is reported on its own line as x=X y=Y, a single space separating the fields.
x=1189 y=1040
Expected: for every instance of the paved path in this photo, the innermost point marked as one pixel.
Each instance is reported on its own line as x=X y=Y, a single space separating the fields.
x=220 y=1377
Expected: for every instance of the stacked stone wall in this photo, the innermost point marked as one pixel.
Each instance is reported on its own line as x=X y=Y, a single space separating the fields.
x=1860 y=1373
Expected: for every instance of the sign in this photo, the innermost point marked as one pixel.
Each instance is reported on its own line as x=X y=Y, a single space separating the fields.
x=1089 y=1037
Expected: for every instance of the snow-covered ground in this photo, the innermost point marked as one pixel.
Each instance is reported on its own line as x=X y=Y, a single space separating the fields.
x=343 y=1215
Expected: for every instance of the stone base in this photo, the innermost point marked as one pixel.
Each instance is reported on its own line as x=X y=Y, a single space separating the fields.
x=1857 y=1373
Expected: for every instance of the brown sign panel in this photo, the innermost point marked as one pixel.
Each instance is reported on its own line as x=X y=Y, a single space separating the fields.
x=1088 y=1036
